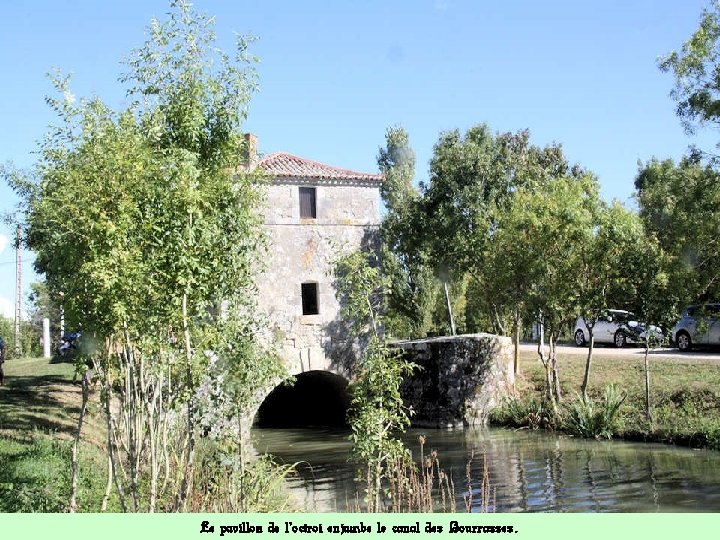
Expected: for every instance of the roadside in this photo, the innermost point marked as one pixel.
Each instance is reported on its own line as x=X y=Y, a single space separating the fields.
x=660 y=352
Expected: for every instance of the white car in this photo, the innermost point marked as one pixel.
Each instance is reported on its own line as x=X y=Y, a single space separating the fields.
x=699 y=325
x=615 y=327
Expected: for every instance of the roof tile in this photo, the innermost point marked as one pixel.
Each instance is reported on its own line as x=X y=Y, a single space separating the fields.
x=284 y=165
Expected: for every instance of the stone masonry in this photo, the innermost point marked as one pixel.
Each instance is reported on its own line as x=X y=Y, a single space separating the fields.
x=303 y=250
x=315 y=213
x=460 y=378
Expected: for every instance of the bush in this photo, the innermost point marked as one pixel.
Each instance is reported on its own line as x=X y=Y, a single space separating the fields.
x=593 y=419
x=29 y=338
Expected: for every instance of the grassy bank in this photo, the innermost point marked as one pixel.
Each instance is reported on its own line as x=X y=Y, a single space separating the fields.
x=685 y=396
x=39 y=407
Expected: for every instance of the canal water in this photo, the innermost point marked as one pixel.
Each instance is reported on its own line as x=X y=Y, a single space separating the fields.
x=529 y=471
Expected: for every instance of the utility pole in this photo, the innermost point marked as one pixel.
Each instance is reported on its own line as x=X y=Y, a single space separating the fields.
x=18 y=286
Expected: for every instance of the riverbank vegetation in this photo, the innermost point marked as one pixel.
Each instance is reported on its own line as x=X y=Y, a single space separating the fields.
x=685 y=398
x=39 y=407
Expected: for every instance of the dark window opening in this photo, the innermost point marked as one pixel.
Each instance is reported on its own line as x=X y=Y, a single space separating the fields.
x=310 y=299
x=308 y=208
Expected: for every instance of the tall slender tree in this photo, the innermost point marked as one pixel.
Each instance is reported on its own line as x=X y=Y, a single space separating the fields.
x=412 y=287
x=146 y=224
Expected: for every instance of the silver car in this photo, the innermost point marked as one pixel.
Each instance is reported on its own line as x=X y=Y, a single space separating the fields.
x=615 y=327
x=699 y=325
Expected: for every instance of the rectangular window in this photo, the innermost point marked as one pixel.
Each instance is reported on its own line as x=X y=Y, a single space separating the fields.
x=308 y=209
x=310 y=298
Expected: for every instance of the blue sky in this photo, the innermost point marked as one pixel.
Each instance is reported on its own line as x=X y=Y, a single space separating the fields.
x=334 y=75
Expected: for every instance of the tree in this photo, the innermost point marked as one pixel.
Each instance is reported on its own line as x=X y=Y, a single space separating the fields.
x=378 y=415
x=537 y=245
x=411 y=288
x=697 y=72
x=145 y=223
x=679 y=205
x=466 y=177
x=609 y=273
x=474 y=181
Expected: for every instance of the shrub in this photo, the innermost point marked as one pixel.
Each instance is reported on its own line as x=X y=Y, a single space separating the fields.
x=592 y=419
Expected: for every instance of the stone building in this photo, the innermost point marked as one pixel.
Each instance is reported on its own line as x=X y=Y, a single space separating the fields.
x=314 y=212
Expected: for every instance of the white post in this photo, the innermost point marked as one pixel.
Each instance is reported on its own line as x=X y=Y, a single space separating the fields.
x=46 y=337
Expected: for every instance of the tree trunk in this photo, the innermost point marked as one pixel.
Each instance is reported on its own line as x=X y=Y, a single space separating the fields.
x=556 y=375
x=586 y=378
x=648 y=408
x=498 y=322
x=516 y=356
x=107 y=398
x=449 y=308
x=83 y=409
x=108 y=486
x=187 y=472
x=546 y=364
x=131 y=410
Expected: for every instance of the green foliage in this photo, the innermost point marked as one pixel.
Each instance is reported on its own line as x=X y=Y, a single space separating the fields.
x=471 y=176
x=225 y=484
x=539 y=244
x=446 y=228
x=378 y=415
x=523 y=411
x=29 y=338
x=148 y=229
x=35 y=477
x=397 y=163
x=697 y=87
x=679 y=205
x=411 y=284
x=591 y=419
x=43 y=306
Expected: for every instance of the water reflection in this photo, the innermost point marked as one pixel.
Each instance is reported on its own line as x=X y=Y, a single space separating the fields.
x=529 y=471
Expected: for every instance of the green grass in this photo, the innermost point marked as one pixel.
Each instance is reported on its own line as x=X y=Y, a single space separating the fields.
x=39 y=407
x=685 y=394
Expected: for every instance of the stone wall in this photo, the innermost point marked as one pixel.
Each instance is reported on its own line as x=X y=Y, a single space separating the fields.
x=460 y=380
x=304 y=250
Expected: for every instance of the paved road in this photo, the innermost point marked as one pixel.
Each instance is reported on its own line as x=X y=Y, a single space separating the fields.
x=713 y=355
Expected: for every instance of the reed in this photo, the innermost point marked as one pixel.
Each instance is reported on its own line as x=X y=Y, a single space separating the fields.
x=423 y=486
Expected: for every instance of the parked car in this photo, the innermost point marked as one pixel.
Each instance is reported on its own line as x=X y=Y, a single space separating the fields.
x=616 y=327
x=699 y=325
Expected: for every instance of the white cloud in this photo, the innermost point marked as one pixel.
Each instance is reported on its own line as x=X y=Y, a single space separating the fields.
x=4 y=241
x=7 y=308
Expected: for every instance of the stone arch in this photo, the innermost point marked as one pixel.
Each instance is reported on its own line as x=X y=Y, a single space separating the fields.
x=319 y=398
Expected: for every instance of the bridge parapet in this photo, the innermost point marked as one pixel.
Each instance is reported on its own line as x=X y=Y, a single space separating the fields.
x=461 y=379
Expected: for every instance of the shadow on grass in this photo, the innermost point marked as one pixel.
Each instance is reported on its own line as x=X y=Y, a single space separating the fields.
x=45 y=403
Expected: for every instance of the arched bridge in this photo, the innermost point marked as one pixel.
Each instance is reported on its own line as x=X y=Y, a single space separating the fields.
x=460 y=379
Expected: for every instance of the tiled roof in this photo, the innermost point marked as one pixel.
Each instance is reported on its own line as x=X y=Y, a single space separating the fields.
x=284 y=165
